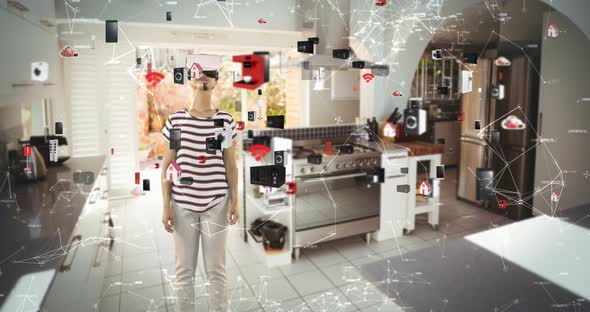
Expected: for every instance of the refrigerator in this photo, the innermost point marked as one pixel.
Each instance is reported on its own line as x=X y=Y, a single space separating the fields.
x=505 y=101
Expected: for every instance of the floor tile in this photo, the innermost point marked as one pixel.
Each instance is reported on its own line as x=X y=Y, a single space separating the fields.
x=254 y=273
x=276 y=290
x=109 y=304
x=141 y=300
x=140 y=262
x=298 y=266
x=111 y=286
x=142 y=278
x=329 y=300
x=242 y=299
x=310 y=282
x=293 y=305
x=343 y=273
x=324 y=255
x=363 y=294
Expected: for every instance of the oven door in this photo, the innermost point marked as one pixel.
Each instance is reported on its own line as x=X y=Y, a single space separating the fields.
x=329 y=200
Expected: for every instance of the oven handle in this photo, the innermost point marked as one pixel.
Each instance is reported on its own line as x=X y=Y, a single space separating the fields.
x=338 y=177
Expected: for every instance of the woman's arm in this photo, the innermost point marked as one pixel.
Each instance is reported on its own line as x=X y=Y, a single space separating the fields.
x=167 y=215
x=231 y=171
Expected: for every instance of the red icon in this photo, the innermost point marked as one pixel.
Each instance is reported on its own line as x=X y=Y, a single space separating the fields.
x=157 y=165
x=195 y=70
x=154 y=78
x=555 y=197
x=137 y=178
x=328 y=148
x=502 y=203
x=68 y=52
x=291 y=188
x=27 y=150
x=460 y=116
x=149 y=67
x=513 y=123
x=355 y=88
x=261 y=21
x=112 y=151
x=396 y=93
x=203 y=159
x=241 y=125
x=368 y=77
x=500 y=76
x=258 y=151
x=381 y=3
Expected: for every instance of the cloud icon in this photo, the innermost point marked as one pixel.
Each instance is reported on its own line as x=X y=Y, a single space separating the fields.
x=502 y=61
x=67 y=52
x=513 y=123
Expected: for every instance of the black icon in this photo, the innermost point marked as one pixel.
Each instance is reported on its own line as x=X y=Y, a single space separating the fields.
x=484 y=183
x=341 y=54
x=146 y=184
x=403 y=188
x=273 y=176
x=275 y=122
x=470 y=58
x=218 y=122
x=186 y=180
x=111 y=31
x=59 y=129
x=212 y=145
x=168 y=16
x=358 y=64
x=315 y=159
x=138 y=61
x=440 y=172
x=251 y=116
x=305 y=47
x=175 y=139
x=477 y=125
x=346 y=149
x=179 y=74
x=280 y=158
x=443 y=90
x=437 y=54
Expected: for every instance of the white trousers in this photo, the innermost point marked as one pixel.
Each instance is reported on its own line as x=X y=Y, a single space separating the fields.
x=210 y=228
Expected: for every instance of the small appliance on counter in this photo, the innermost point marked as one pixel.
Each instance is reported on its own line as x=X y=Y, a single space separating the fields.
x=43 y=144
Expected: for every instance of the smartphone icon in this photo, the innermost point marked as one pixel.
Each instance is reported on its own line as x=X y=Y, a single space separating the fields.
x=112 y=31
x=440 y=172
x=168 y=16
x=146 y=184
x=477 y=125
x=59 y=128
x=174 y=138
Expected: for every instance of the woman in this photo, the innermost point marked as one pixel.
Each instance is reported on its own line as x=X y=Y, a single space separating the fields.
x=200 y=210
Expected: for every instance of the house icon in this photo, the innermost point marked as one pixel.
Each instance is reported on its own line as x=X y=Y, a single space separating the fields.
x=425 y=188
x=173 y=172
x=552 y=31
x=554 y=197
x=195 y=70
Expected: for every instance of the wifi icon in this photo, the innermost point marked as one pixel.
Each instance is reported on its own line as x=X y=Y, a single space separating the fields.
x=258 y=151
x=154 y=78
x=368 y=77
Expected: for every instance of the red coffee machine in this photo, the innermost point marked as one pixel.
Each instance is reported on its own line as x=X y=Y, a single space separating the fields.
x=254 y=70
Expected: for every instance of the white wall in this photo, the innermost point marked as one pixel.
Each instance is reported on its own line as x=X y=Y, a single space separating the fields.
x=25 y=40
x=565 y=65
x=279 y=14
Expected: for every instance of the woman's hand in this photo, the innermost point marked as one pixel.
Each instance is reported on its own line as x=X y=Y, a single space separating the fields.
x=233 y=216
x=168 y=219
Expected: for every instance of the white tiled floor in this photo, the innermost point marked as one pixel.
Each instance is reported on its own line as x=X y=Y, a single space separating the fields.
x=325 y=278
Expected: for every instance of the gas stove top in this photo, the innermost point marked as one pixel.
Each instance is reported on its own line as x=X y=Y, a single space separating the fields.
x=335 y=159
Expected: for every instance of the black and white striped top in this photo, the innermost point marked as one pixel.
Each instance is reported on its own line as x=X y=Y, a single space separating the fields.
x=209 y=180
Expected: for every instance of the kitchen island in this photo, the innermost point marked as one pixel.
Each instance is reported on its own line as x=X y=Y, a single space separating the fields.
x=47 y=229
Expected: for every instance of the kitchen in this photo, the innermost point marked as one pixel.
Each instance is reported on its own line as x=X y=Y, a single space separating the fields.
x=359 y=146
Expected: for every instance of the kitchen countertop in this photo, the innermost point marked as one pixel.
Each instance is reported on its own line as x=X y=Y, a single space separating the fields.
x=32 y=238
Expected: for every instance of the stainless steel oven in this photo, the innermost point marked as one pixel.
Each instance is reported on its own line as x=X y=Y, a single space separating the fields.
x=337 y=198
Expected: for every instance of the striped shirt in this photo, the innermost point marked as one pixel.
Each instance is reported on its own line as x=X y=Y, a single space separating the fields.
x=209 y=180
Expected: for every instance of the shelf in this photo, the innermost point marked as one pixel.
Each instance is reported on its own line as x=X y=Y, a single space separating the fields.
x=262 y=207
x=426 y=206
